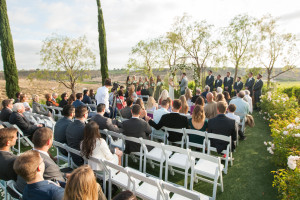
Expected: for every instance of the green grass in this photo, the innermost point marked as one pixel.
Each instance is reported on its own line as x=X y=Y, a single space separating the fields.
x=285 y=84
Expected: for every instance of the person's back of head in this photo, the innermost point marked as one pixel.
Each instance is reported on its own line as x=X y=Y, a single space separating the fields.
x=220 y=97
x=120 y=93
x=198 y=114
x=42 y=138
x=85 y=91
x=226 y=95
x=81 y=112
x=79 y=96
x=247 y=92
x=8 y=137
x=54 y=95
x=68 y=111
x=206 y=88
x=107 y=82
x=198 y=91
x=63 y=95
x=165 y=104
x=231 y=108
x=81 y=185
x=22 y=98
x=129 y=101
x=221 y=107
x=136 y=109
x=18 y=95
x=101 y=108
x=48 y=97
x=176 y=104
x=241 y=94
x=90 y=136
x=140 y=102
x=200 y=101
x=219 y=90
x=209 y=97
x=125 y=195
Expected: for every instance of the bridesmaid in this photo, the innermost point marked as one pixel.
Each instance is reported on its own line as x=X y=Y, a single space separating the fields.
x=128 y=82
x=146 y=82
x=134 y=82
x=141 y=83
x=171 y=88
x=158 y=88
x=152 y=86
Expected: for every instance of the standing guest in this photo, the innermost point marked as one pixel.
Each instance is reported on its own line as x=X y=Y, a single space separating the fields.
x=134 y=82
x=6 y=111
x=37 y=108
x=184 y=106
x=257 y=90
x=163 y=96
x=111 y=96
x=199 y=123
x=125 y=195
x=227 y=97
x=141 y=83
x=138 y=90
x=71 y=99
x=102 y=95
x=157 y=114
x=188 y=95
x=145 y=92
x=146 y=83
x=249 y=83
x=151 y=105
x=17 y=100
x=211 y=107
x=126 y=112
x=8 y=138
x=94 y=146
x=206 y=88
x=30 y=166
x=128 y=83
x=82 y=185
x=228 y=81
x=74 y=132
x=143 y=112
x=183 y=83
x=220 y=97
x=21 y=121
x=241 y=105
x=23 y=99
x=222 y=125
x=135 y=127
x=92 y=95
x=64 y=100
x=78 y=101
x=158 y=88
x=121 y=103
x=54 y=97
x=195 y=97
x=152 y=86
x=238 y=86
x=210 y=80
x=61 y=126
x=132 y=94
x=171 y=88
x=86 y=99
x=219 y=90
x=248 y=99
x=49 y=101
x=200 y=101
x=172 y=120
x=218 y=82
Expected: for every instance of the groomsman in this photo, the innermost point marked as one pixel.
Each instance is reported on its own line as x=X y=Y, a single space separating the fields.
x=238 y=86
x=218 y=82
x=228 y=81
x=249 y=83
x=210 y=80
x=257 y=90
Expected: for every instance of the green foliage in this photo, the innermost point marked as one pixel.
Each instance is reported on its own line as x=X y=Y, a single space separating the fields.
x=8 y=54
x=192 y=85
x=293 y=92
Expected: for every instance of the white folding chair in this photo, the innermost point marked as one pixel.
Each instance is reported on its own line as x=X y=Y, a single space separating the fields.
x=60 y=156
x=3 y=186
x=119 y=143
x=196 y=133
x=209 y=167
x=237 y=134
x=180 y=159
x=12 y=190
x=243 y=121
x=77 y=153
x=138 y=154
x=179 y=131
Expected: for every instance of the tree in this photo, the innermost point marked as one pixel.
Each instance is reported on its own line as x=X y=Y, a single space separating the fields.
x=239 y=38
x=145 y=57
x=102 y=43
x=276 y=49
x=67 y=60
x=8 y=55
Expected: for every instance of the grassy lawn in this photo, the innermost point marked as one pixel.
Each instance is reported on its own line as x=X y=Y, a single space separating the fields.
x=288 y=84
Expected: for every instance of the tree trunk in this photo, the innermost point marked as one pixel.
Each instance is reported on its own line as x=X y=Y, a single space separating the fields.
x=102 y=43
x=269 y=80
x=235 y=71
x=8 y=55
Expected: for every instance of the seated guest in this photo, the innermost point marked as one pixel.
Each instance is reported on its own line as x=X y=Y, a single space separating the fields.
x=126 y=112
x=222 y=125
x=94 y=146
x=21 y=121
x=140 y=102
x=139 y=90
x=37 y=108
x=145 y=91
x=241 y=105
x=82 y=185
x=131 y=93
x=151 y=104
x=64 y=100
x=206 y=88
x=135 y=127
x=184 y=106
x=200 y=101
x=92 y=96
x=23 y=99
x=17 y=100
x=75 y=130
x=158 y=114
x=49 y=100
x=248 y=99
x=121 y=103
x=105 y=122
x=86 y=99
x=231 y=115
x=198 y=93
x=220 y=97
x=188 y=95
x=30 y=166
x=71 y=99
x=125 y=195
x=199 y=123
x=8 y=137
x=6 y=111
x=170 y=102
x=78 y=101
x=42 y=140
x=54 y=96
x=61 y=125
x=211 y=107
x=163 y=96
x=172 y=120
x=220 y=90
x=227 y=96
x=215 y=95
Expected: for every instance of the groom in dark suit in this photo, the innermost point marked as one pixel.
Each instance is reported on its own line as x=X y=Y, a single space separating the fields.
x=249 y=83
x=228 y=81
x=210 y=80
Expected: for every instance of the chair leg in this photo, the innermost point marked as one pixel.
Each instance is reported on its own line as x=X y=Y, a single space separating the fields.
x=141 y=163
x=126 y=160
x=166 y=171
x=161 y=169
x=192 y=179
x=145 y=164
x=186 y=178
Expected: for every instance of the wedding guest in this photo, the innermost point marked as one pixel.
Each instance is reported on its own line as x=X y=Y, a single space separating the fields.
x=6 y=111
x=163 y=96
x=54 y=97
x=64 y=100
x=86 y=99
x=227 y=96
x=128 y=82
x=238 y=85
x=230 y=113
x=17 y=100
x=151 y=104
x=158 y=88
x=134 y=82
x=219 y=90
x=131 y=93
x=200 y=101
x=214 y=95
x=121 y=103
x=126 y=112
x=211 y=107
x=257 y=90
x=198 y=122
x=37 y=108
x=92 y=95
x=141 y=83
x=170 y=102
x=184 y=106
x=198 y=93
x=171 y=88
x=248 y=99
x=241 y=105
x=49 y=100
x=143 y=112
x=145 y=92
x=152 y=86
x=206 y=90
x=138 y=90
x=78 y=101
x=158 y=114
x=23 y=99
x=220 y=97
x=102 y=95
x=146 y=83
x=188 y=96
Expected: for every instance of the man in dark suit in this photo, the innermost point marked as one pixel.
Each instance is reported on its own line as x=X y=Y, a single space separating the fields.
x=238 y=86
x=195 y=97
x=126 y=112
x=249 y=83
x=86 y=98
x=257 y=90
x=218 y=82
x=8 y=137
x=75 y=131
x=62 y=124
x=78 y=101
x=64 y=100
x=228 y=81
x=222 y=125
x=21 y=121
x=135 y=127
x=210 y=80
x=172 y=120
x=7 y=105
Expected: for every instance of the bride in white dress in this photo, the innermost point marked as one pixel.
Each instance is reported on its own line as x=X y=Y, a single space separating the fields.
x=171 y=88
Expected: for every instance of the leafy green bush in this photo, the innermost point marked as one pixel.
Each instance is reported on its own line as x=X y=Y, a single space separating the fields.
x=192 y=85
x=293 y=92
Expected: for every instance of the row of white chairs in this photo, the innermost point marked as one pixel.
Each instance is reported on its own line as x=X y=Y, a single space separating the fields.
x=40 y=119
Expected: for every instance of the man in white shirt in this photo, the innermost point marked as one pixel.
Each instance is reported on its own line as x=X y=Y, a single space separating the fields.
x=157 y=115
x=248 y=99
x=102 y=96
x=231 y=109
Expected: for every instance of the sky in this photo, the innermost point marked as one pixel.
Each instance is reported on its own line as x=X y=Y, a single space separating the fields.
x=126 y=22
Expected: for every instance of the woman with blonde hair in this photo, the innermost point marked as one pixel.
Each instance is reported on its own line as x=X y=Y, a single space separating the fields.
x=184 y=106
x=82 y=184
x=140 y=102
x=23 y=99
x=163 y=96
x=170 y=102
x=131 y=93
x=198 y=122
x=188 y=96
x=151 y=104
x=220 y=97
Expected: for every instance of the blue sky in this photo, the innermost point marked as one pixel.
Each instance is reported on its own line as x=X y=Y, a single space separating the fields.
x=126 y=21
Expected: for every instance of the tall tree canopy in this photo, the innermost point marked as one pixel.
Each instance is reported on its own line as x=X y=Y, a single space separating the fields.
x=8 y=55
